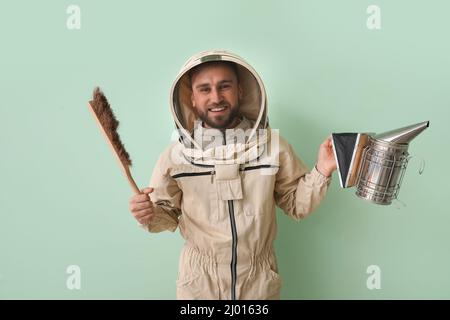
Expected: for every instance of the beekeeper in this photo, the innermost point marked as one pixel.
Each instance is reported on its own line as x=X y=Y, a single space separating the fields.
x=220 y=182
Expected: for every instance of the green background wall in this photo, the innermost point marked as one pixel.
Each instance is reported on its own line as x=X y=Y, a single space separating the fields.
x=64 y=201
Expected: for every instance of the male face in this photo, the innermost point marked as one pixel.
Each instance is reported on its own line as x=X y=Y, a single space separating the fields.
x=215 y=95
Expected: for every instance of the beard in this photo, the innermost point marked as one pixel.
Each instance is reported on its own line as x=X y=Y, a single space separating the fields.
x=219 y=121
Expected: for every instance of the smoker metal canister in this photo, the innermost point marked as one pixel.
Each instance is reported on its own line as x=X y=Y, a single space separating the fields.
x=381 y=171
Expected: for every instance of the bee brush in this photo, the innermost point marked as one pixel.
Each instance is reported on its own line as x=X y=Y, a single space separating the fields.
x=104 y=116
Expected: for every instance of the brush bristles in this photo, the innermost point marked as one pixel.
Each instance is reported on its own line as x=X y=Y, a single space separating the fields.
x=109 y=123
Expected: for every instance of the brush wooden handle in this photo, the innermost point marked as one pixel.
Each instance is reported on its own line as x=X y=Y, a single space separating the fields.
x=131 y=181
x=125 y=168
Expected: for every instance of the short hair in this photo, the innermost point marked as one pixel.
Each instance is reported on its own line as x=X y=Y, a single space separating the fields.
x=229 y=64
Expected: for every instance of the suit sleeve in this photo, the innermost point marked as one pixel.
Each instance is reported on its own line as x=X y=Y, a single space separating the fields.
x=166 y=198
x=298 y=191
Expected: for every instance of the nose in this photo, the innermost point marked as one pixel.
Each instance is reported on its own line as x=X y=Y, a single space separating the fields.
x=216 y=96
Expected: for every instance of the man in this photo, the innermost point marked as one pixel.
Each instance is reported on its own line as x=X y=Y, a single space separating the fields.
x=221 y=181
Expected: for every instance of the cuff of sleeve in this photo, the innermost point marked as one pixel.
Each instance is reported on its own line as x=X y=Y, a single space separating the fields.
x=160 y=221
x=319 y=176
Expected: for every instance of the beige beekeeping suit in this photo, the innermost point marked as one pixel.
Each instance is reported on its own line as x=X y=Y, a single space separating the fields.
x=222 y=196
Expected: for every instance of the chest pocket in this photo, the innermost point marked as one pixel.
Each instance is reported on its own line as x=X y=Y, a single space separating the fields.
x=228 y=182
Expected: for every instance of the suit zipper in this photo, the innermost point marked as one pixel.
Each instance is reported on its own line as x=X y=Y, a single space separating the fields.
x=233 y=249
x=191 y=174
x=234 y=239
x=261 y=166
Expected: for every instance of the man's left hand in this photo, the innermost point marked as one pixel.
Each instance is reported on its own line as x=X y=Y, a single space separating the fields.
x=326 y=163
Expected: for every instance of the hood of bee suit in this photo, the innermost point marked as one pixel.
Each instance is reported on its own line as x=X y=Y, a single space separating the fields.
x=253 y=106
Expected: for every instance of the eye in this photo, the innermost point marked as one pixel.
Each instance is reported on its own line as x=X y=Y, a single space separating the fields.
x=204 y=90
x=225 y=86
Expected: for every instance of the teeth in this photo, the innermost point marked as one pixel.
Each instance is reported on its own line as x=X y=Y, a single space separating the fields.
x=217 y=109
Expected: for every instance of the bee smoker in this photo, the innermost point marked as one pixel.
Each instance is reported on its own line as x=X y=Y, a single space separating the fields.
x=374 y=163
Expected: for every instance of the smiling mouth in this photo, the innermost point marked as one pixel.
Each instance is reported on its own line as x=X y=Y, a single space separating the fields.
x=217 y=109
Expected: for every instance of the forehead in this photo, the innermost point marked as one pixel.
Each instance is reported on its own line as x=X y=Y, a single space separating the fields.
x=212 y=72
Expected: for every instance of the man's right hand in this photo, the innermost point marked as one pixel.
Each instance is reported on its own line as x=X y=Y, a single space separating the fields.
x=142 y=207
